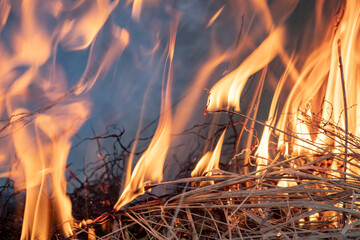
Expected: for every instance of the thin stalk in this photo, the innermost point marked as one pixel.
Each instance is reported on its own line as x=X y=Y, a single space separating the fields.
x=345 y=106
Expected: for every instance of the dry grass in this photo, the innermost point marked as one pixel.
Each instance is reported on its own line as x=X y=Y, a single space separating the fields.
x=320 y=206
x=319 y=201
x=316 y=200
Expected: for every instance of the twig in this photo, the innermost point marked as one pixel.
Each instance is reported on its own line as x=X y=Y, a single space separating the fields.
x=345 y=104
x=346 y=115
x=170 y=232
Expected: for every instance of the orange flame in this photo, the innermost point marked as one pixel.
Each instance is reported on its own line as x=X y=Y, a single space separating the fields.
x=263 y=149
x=44 y=115
x=149 y=168
x=136 y=9
x=79 y=30
x=320 y=77
x=43 y=164
x=210 y=160
x=99 y=64
x=286 y=182
x=227 y=91
x=214 y=17
x=41 y=139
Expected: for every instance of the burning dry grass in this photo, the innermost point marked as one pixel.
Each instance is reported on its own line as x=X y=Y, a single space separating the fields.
x=319 y=206
x=302 y=181
x=315 y=195
x=293 y=197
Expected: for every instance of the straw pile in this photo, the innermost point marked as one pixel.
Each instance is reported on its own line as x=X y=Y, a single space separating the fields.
x=293 y=197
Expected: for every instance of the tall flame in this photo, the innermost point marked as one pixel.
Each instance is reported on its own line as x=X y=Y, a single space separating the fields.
x=320 y=79
x=43 y=113
x=149 y=168
x=42 y=148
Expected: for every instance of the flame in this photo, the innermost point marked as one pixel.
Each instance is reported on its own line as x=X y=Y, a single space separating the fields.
x=100 y=61
x=227 y=91
x=321 y=77
x=214 y=17
x=149 y=168
x=305 y=143
x=184 y=112
x=262 y=151
x=43 y=113
x=210 y=160
x=43 y=163
x=81 y=27
x=322 y=89
x=4 y=13
x=286 y=181
x=136 y=9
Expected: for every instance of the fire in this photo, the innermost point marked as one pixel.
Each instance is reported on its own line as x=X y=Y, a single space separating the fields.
x=136 y=9
x=44 y=113
x=319 y=79
x=227 y=91
x=322 y=74
x=316 y=93
x=43 y=164
x=210 y=160
x=149 y=168
x=214 y=17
